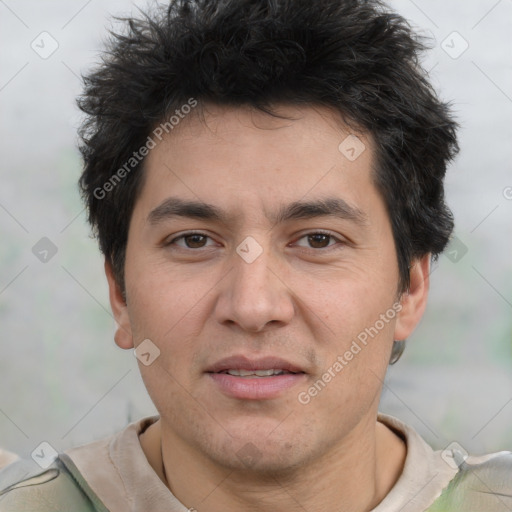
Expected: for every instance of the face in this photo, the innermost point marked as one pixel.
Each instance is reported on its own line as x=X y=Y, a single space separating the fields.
x=285 y=262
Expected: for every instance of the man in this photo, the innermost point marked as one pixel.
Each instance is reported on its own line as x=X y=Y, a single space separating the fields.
x=265 y=178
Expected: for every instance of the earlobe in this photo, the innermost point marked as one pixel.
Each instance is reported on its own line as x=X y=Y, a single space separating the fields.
x=414 y=300
x=123 y=335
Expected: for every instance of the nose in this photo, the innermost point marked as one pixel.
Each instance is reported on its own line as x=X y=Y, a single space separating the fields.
x=254 y=295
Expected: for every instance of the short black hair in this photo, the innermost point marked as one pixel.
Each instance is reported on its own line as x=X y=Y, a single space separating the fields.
x=354 y=56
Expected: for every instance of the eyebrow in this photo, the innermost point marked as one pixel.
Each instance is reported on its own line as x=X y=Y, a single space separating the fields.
x=328 y=207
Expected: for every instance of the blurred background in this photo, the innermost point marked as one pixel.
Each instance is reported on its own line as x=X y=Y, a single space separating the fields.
x=62 y=378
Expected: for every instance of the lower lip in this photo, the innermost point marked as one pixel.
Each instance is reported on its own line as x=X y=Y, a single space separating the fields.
x=256 y=388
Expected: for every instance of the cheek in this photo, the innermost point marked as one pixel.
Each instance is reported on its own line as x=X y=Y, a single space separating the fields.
x=347 y=300
x=352 y=324
x=354 y=365
x=163 y=301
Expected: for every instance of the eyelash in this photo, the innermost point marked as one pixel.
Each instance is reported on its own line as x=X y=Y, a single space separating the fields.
x=316 y=232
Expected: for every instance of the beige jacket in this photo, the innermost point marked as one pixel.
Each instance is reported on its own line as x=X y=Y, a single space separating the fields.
x=114 y=475
x=6 y=458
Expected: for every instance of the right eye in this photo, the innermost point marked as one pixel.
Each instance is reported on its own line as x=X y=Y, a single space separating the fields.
x=191 y=240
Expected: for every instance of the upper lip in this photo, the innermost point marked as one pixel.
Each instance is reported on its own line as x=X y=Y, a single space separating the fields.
x=246 y=363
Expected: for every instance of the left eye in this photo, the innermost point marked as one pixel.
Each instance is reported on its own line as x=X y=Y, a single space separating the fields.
x=319 y=240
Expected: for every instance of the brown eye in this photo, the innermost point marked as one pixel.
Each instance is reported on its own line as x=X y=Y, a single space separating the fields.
x=319 y=240
x=190 y=241
x=194 y=241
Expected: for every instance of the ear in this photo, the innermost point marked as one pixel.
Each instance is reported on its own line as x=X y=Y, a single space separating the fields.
x=414 y=300
x=123 y=336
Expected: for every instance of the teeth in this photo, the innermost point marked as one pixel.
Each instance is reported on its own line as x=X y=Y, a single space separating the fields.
x=257 y=373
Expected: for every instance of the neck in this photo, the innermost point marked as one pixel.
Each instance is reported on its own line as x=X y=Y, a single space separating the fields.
x=355 y=475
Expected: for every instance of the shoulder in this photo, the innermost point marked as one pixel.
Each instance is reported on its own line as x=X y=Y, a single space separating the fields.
x=6 y=458
x=24 y=486
x=482 y=483
x=83 y=479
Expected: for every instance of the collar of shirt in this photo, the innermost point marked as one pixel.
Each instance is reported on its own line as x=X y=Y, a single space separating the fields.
x=118 y=471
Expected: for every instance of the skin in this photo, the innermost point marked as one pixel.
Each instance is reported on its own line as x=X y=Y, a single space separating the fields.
x=302 y=299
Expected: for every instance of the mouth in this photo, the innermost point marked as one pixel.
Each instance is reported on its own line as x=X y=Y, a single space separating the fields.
x=240 y=365
x=255 y=379
x=257 y=373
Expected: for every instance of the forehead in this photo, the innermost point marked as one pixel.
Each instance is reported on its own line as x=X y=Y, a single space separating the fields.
x=302 y=126
x=243 y=157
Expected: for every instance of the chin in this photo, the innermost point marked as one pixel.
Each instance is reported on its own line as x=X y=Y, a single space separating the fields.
x=260 y=447
x=271 y=460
